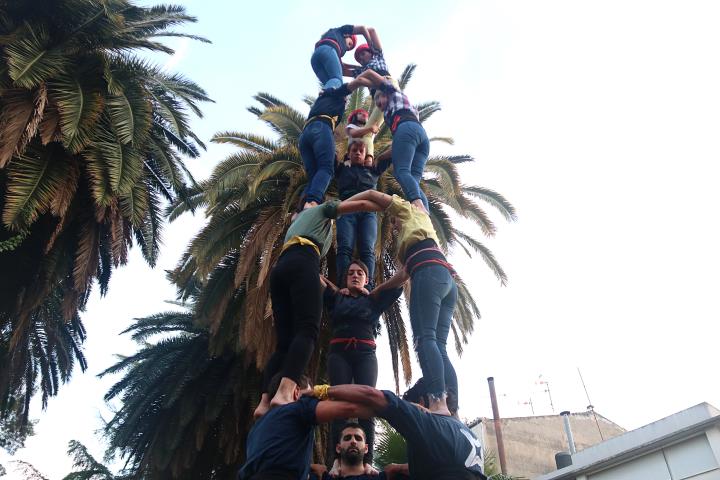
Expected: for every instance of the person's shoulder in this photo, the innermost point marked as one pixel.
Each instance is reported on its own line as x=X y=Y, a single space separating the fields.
x=398 y=204
x=393 y=401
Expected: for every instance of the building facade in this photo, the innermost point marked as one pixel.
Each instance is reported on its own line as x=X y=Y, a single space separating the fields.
x=532 y=442
x=683 y=446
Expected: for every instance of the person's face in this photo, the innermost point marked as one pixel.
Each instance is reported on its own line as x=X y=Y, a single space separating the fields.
x=356 y=277
x=352 y=447
x=364 y=57
x=380 y=100
x=361 y=118
x=349 y=43
x=357 y=153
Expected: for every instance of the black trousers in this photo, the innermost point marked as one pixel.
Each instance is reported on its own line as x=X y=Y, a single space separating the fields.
x=296 y=296
x=359 y=366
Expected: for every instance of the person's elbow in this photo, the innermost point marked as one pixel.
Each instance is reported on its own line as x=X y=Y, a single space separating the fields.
x=374 y=398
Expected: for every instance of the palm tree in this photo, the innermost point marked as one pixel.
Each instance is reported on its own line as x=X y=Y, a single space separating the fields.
x=492 y=469
x=28 y=471
x=248 y=197
x=45 y=354
x=185 y=413
x=390 y=446
x=91 y=144
x=85 y=467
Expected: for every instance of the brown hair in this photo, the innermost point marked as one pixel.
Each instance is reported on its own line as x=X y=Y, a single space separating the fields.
x=360 y=264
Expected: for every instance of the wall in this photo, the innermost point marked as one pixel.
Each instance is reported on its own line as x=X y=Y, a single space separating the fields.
x=532 y=442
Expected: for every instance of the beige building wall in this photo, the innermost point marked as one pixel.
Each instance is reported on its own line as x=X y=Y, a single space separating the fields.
x=532 y=442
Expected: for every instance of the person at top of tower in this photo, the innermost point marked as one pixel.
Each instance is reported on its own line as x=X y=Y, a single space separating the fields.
x=333 y=44
x=370 y=57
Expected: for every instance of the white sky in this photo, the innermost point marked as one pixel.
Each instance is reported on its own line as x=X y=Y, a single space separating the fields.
x=598 y=120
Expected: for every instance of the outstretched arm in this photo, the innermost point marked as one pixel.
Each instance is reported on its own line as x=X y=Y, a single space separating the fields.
x=394 y=470
x=374 y=39
x=360 y=132
x=396 y=281
x=348 y=70
x=370 y=397
x=329 y=410
x=351 y=206
x=364 y=31
x=369 y=78
x=383 y=200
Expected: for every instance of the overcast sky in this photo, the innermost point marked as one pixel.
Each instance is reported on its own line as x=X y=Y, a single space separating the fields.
x=599 y=121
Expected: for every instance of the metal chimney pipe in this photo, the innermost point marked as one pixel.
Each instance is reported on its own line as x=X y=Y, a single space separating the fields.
x=568 y=431
x=498 y=427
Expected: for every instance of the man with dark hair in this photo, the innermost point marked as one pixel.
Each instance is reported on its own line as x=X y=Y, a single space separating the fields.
x=351 y=448
x=280 y=444
x=439 y=446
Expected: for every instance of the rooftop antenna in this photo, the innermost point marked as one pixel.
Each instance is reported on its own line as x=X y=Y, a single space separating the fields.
x=547 y=389
x=529 y=402
x=590 y=406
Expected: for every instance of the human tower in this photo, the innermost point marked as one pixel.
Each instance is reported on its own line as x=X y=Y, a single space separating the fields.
x=280 y=443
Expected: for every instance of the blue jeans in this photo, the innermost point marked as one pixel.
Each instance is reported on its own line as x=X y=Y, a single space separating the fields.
x=410 y=151
x=317 y=148
x=352 y=227
x=432 y=302
x=326 y=65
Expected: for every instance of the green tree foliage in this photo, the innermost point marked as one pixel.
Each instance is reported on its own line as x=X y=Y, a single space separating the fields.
x=47 y=348
x=85 y=467
x=92 y=140
x=185 y=413
x=390 y=446
x=13 y=430
x=28 y=471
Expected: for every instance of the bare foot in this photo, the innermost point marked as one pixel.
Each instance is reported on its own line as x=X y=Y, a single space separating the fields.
x=285 y=393
x=439 y=407
x=262 y=407
x=417 y=203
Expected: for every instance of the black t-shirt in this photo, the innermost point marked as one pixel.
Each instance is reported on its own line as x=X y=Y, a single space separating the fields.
x=329 y=104
x=352 y=179
x=438 y=446
x=282 y=439
x=359 y=316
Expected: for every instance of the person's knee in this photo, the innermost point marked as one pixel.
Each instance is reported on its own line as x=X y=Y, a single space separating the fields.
x=425 y=340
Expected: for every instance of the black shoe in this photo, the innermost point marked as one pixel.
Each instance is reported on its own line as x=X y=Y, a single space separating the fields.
x=341 y=91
